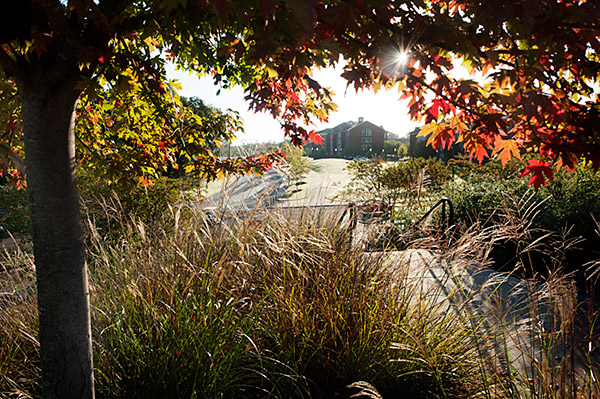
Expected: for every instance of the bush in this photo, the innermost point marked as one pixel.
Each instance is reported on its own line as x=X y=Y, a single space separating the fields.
x=395 y=181
x=14 y=212
x=567 y=207
x=104 y=204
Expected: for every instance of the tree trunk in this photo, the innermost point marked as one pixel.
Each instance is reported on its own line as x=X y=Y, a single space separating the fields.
x=63 y=296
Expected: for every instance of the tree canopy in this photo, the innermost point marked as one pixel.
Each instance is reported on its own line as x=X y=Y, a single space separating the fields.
x=539 y=92
x=537 y=62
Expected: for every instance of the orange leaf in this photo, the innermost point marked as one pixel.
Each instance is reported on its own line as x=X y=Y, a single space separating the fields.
x=507 y=150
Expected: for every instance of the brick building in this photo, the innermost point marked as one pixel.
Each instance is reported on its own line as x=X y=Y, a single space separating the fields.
x=352 y=138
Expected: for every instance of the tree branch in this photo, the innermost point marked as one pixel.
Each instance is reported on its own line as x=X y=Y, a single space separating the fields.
x=57 y=19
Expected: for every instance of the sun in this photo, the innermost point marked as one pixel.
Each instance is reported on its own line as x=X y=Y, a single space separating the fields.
x=402 y=57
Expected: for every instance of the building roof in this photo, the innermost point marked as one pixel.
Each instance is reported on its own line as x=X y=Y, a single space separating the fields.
x=346 y=126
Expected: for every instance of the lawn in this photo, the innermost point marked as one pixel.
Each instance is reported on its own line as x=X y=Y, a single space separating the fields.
x=326 y=177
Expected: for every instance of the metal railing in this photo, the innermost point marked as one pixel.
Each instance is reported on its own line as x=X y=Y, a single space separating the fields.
x=350 y=213
x=442 y=202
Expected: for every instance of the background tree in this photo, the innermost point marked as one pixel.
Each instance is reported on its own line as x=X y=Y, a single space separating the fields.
x=402 y=150
x=12 y=168
x=298 y=164
x=390 y=147
x=541 y=59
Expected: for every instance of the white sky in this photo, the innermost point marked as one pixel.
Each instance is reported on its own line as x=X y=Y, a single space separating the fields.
x=382 y=109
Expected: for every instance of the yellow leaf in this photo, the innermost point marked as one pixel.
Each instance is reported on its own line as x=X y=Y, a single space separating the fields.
x=377 y=86
x=151 y=42
x=427 y=129
x=401 y=86
x=271 y=71
x=457 y=124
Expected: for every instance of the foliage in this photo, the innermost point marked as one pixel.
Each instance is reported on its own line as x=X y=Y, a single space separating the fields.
x=280 y=307
x=422 y=150
x=545 y=54
x=402 y=150
x=130 y=136
x=567 y=208
x=11 y=146
x=541 y=61
x=248 y=308
x=463 y=165
x=19 y=347
x=376 y=180
x=391 y=147
x=537 y=97
x=126 y=135
x=102 y=202
x=366 y=183
x=297 y=163
x=574 y=203
x=14 y=212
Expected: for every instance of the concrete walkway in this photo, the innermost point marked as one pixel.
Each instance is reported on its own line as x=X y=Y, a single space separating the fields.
x=520 y=323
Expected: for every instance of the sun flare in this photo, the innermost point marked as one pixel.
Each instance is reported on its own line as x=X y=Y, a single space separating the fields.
x=402 y=57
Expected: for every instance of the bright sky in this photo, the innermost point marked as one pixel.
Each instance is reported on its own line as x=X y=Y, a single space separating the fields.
x=382 y=109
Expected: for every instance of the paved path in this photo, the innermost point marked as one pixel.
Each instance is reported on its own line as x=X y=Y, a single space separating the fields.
x=517 y=317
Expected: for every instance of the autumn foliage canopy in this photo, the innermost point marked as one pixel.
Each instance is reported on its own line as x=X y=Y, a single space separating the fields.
x=533 y=88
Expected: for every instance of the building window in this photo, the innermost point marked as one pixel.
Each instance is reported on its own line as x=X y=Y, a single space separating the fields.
x=366 y=140
x=366 y=147
x=366 y=132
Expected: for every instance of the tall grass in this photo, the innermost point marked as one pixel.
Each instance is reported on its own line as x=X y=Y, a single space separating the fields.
x=19 y=348
x=289 y=306
x=538 y=336
x=276 y=305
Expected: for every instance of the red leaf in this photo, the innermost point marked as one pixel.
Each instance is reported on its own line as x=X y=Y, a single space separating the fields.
x=434 y=110
x=314 y=137
x=540 y=170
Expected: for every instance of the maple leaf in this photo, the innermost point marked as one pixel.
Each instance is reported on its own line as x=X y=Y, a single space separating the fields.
x=507 y=150
x=540 y=170
x=314 y=137
x=440 y=135
x=479 y=152
x=437 y=105
x=427 y=129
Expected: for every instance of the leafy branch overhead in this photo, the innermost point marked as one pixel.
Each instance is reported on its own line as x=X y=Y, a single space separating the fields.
x=538 y=92
x=536 y=62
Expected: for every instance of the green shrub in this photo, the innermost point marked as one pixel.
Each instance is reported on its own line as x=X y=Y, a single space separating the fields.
x=14 y=212
x=465 y=166
x=394 y=182
x=105 y=204
x=574 y=201
x=567 y=207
